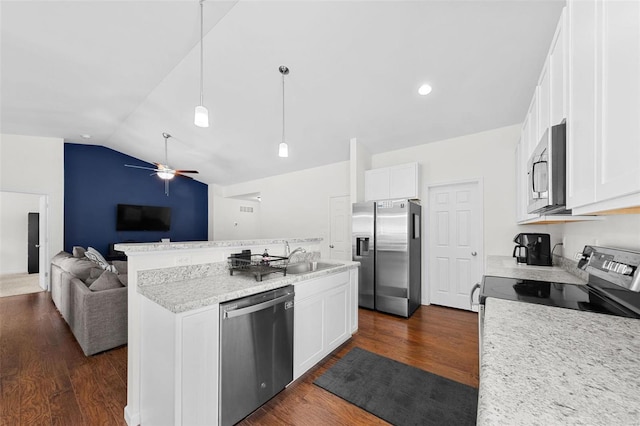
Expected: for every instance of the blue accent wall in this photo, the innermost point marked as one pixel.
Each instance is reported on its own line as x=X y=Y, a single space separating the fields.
x=96 y=181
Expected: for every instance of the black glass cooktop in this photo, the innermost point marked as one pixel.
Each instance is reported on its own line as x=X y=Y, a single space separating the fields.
x=561 y=295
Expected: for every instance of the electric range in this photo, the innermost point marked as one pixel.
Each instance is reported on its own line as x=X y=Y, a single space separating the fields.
x=613 y=286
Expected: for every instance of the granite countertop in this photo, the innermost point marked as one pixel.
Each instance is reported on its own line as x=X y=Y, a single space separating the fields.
x=183 y=295
x=506 y=266
x=130 y=248
x=545 y=365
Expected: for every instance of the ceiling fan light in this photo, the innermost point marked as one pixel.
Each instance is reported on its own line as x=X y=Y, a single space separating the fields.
x=201 y=116
x=166 y=175
x=283 y=150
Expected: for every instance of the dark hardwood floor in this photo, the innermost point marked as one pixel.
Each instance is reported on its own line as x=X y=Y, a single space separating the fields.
x=46 y=379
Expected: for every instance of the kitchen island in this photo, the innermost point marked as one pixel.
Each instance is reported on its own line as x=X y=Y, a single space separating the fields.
x=175 y=291
x=544 y=365
x=151 y=262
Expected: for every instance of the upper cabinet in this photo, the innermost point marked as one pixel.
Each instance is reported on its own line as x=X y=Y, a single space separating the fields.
x=603 y=125
x=392 y=182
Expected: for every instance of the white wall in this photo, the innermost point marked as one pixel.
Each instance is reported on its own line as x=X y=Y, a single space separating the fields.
x=294 y=205
x=489 y=156
x=14 y=210
x=617 y=231
x=31 y=164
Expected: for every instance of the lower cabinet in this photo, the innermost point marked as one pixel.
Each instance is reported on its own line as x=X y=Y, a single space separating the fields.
x=179 y=353
x=324 y=316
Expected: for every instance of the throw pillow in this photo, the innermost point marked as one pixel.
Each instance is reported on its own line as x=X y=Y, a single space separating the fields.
x=95 y=256
x=106 y=281
x=78 y=251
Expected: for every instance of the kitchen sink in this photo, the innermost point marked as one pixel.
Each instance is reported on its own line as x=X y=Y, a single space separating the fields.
x=303 y=267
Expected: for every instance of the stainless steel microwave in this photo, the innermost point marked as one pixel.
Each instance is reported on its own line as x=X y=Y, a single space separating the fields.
x=546 y=173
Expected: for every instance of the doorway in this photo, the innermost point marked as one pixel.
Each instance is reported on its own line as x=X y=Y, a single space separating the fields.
x=455 y=243
x=339 y=228
x=23 y=247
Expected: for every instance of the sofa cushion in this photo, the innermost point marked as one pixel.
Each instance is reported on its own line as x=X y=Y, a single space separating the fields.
x=96 y=257
x=106 y=281
x=79 y=252
x=121 y=266
x=124 y=279
x=94 y=274
x=80 y=268
x=58 y=258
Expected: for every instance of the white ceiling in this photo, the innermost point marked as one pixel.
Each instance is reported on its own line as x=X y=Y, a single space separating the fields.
x=126 y=71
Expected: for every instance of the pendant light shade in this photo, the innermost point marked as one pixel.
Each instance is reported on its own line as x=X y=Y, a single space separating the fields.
x=283 y=148
x=201 y=117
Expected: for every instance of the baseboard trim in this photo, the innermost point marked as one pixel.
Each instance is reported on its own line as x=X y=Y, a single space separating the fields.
x=132 y=419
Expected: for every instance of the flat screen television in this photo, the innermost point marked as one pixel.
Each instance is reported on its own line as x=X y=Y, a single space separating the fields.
x=143 y=218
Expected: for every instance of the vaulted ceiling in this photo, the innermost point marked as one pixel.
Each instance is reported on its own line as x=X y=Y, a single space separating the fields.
x=126 y=71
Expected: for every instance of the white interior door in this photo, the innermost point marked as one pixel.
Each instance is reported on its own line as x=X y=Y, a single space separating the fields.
x=455 y=243
x=340 y=217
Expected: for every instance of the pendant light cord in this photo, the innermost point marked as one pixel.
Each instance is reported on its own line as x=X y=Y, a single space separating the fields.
x=201 y=53
x=282 y=107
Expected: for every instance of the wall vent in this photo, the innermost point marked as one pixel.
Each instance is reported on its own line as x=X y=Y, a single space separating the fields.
x=246 y=209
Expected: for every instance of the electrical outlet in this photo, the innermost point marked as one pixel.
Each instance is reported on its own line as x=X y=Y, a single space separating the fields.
x=183 y=260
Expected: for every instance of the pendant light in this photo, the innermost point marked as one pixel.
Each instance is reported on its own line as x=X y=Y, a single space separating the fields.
x=202 y=114
x=283 y=148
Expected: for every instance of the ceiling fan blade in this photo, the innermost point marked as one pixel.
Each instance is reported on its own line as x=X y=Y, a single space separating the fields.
x=140 y=167
x=187 y=171
x=184 y=176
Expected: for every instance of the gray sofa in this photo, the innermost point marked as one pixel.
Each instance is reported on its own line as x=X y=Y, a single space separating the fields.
x=97 y=317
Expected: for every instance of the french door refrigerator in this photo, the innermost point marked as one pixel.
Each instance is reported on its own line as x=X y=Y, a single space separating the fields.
x=386 y=241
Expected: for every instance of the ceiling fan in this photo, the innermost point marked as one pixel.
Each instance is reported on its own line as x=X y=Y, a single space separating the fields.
x=163 y=171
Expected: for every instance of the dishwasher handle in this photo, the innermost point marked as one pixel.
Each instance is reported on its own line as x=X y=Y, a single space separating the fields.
x=257 y=307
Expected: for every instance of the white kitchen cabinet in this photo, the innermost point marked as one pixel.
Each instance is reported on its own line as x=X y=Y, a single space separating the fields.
x=604 y=105
x=558 y=71
x=179 y=365
x=397 y=182
x=530 y=127
x=376 y=184
x=544 y=99
x=322 y=319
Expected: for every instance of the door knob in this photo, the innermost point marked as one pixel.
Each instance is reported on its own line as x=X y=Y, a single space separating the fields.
x=473 y=253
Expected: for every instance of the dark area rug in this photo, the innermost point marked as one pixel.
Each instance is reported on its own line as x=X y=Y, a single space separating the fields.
x=398 y=393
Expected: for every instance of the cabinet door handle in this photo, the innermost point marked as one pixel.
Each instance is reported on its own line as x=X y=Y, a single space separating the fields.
x=474 y=253
x=330 y=245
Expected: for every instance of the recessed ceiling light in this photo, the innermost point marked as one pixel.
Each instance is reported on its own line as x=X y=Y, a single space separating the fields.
x=425 y=89
x=85 y=136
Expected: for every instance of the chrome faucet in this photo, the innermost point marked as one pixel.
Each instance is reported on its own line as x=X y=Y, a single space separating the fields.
x=299 y=249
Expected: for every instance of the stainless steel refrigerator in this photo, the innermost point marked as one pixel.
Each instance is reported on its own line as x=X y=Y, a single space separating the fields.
x=387 y=243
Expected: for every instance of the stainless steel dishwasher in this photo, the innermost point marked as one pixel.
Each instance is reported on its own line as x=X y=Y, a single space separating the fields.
x=256 y=351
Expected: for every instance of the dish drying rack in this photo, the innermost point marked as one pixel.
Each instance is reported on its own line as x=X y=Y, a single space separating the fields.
x=257 y=264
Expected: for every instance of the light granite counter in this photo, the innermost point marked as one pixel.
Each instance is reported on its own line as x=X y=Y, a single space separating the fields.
x=131 y=248
x=181 y=295
x=545 y=365
x=506 y=266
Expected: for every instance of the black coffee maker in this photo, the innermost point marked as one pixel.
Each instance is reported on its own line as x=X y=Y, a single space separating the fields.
x=533 y=249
